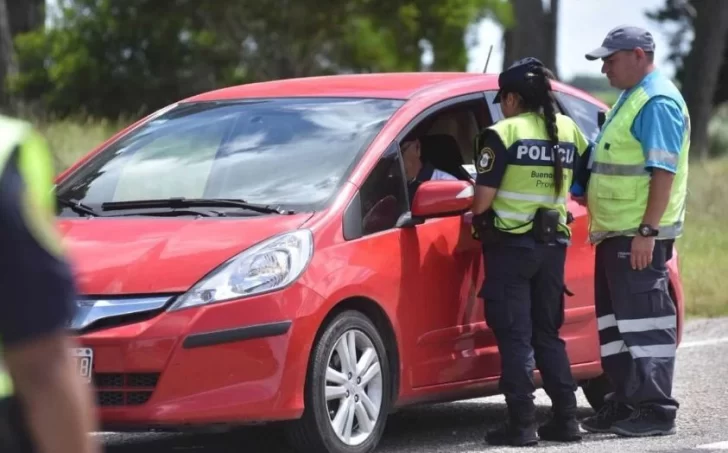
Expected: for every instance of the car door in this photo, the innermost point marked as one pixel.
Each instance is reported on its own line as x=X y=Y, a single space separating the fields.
x=441 y=264
x=416 y=270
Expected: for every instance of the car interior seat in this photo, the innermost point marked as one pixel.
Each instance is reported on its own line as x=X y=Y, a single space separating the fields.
x=443 y=152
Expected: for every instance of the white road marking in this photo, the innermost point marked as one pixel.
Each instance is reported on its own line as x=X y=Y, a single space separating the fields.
x=699 y=343
x=715 y=446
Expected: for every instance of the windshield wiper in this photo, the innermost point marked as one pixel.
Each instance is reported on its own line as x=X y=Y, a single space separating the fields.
x=174 y=203
x=77 y=206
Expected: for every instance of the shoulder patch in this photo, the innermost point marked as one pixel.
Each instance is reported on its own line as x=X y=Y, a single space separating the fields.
x=486 y=160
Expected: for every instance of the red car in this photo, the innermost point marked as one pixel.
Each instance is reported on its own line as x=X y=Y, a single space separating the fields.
x=251 y=255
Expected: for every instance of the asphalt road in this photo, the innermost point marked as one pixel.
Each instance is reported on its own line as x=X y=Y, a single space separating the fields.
x=700 y=387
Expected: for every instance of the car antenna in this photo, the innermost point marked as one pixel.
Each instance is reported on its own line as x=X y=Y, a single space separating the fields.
x=485 y=69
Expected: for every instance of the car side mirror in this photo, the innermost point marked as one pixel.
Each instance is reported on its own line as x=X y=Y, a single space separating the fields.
x=442 y=199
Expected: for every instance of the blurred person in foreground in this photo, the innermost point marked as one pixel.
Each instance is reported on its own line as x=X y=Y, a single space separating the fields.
x=45 y=407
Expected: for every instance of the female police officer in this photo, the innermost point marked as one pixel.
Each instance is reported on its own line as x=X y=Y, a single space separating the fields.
x=520 y=216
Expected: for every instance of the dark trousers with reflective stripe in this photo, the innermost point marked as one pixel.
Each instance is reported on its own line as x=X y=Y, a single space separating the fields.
x=637 y=325
x=524 y=307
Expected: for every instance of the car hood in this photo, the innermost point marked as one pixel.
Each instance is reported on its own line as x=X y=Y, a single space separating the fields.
x=151 y=255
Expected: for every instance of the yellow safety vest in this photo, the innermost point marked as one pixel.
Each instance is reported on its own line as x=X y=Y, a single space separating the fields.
x=618 y=187
x=528 y=182
x=36 y=166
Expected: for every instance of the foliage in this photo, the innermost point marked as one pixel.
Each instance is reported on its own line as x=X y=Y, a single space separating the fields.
x=703 y=250
x=680 y=15
x=108 y=58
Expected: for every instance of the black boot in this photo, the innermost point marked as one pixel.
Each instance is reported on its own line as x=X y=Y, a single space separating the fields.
x=518 y=431
x=607 y=416
x=561 y=429
x=645 y=421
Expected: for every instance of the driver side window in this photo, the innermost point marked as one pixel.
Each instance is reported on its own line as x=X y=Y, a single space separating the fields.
x=584 y=114
x=383 y=194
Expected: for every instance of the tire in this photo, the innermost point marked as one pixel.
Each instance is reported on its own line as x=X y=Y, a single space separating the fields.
x=596 y=389
x=314 y=432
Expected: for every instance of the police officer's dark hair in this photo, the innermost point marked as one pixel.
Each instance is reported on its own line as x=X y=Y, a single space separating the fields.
x=536 y=95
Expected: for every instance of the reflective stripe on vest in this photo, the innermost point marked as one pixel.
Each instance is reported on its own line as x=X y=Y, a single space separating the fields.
x=618 y=188
x=528 y=182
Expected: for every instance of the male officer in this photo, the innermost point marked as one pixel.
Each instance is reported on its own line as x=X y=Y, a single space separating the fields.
x=37 y=373
x=636 y=199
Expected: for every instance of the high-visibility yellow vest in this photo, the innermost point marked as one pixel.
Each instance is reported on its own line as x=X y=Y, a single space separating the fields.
x=619 y=184
x=528 y=182
x=35 y=164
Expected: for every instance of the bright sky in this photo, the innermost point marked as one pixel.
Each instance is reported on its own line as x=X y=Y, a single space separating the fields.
x=583 y=24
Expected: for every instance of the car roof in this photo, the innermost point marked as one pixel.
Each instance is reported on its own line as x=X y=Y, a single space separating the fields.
x=392 y=85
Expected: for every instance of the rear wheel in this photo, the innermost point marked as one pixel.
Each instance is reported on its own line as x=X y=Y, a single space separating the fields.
x=347 y=394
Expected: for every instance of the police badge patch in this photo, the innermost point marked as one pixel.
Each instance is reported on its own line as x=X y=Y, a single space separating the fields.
x=485 y=162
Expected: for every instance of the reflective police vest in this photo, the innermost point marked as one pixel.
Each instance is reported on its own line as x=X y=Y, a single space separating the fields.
x=36 y=166
x=528 y=182
x=618 y=188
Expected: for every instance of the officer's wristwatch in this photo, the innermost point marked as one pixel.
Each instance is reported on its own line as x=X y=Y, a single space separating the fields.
x=646 y=230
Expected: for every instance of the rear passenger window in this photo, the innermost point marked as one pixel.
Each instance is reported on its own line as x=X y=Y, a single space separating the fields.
x=383 y=194
x=583 y=113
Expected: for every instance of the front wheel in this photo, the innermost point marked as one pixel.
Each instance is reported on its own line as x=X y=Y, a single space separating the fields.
x=347 y=394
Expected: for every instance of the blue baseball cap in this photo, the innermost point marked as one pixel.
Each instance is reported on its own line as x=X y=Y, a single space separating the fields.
x=516 y=76
x=624 y=37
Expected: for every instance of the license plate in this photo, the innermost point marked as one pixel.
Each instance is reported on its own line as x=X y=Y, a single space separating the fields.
x=84 y=362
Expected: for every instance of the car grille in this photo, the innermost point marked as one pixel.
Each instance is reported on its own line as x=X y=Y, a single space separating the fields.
x=124 y=389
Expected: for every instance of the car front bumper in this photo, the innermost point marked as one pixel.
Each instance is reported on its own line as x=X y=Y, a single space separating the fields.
x=234 y=362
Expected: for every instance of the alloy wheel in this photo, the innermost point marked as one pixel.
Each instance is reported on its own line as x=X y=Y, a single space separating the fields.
x=353 y=387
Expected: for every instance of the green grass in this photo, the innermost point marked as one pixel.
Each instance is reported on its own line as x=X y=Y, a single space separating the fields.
x=70 y=140
x=703 y=249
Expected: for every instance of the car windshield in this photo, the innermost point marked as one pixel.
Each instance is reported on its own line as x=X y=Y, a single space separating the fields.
x=286 y=152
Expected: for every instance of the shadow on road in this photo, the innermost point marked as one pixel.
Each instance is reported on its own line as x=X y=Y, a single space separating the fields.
x=442 y=427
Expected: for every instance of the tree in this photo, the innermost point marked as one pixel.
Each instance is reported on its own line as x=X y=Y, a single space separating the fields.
x=131 y=57
x=533 y=33
x=16 y=17
x=703 y=70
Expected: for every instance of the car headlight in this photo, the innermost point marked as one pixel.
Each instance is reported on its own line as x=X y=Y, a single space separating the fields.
x=267 y=266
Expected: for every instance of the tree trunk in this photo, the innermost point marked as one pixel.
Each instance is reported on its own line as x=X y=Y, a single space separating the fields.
x=533 y=35
x=552 y=31
x=25 y=15
x=702 y=68
x=7 y=60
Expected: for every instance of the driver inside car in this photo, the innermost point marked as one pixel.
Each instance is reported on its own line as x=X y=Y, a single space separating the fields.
x=418 y=171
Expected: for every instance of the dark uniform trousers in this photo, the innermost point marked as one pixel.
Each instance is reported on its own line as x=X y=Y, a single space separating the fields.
x=524 y=307
x=15 y=435
x=637 y=325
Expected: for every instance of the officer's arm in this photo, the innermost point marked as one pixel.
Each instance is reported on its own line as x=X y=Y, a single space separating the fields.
x=582 y=172
x=37 y=297
x=490 y=166
x=659 y=128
